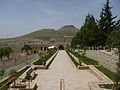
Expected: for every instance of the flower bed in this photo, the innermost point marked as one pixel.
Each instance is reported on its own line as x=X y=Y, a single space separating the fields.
x=48 y=63
x=44 y=58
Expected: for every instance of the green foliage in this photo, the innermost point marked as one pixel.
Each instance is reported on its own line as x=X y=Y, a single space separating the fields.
x=1 y=53
x=26 y=48
x=107 y=72
x=83 y=58
x=28 y=76
x=114 y=39
x=96 y=34
x=44 y=58
x=2 y=72
x=108 y=86
x=107 y=23
x=8 y=50
x=5 y=52
x=87 y=35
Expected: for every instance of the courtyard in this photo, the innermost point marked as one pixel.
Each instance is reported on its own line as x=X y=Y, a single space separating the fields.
x=63 y=68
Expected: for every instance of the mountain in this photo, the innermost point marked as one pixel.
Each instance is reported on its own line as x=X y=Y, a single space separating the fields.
x=41 y=34
x=68 y=30
x=64 y=32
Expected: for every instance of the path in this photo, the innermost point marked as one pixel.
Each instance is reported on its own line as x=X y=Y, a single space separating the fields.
x=63 y=68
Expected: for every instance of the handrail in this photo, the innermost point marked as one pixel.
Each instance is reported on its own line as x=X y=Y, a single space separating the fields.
x=62 y=84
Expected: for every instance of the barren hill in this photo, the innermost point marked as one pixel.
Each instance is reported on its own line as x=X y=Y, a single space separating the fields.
x=48 y=34
x=65 y=33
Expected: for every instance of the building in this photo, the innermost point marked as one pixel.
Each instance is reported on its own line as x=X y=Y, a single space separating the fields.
x=36 y=47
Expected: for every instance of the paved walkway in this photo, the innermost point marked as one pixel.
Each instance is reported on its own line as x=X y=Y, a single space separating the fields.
x=63 y=68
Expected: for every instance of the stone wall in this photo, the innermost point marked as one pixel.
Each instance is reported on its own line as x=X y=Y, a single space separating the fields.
x=104 y=58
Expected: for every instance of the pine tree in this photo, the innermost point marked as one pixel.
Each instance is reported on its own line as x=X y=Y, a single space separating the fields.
x=106 y=24
x=87 y=36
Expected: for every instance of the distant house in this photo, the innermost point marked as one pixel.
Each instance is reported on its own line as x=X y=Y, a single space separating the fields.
x=38 y=47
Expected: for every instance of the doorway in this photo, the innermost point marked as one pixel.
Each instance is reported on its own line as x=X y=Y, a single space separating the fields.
x=61 y=47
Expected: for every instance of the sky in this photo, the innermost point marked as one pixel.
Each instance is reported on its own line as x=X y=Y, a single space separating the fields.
x=19 y=17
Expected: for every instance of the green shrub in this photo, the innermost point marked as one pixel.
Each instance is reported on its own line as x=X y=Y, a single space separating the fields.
x=44 y=58
x=108 y=86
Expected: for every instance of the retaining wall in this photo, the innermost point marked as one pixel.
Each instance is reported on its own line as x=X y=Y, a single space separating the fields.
x=104 y=58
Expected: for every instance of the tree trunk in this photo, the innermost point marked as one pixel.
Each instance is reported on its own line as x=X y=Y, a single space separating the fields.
x=1 y=58
x=8 y=57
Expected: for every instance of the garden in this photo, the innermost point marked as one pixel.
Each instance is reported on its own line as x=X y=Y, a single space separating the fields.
x=44 y=57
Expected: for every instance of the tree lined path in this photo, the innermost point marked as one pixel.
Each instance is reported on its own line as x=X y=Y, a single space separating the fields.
x=63 y=68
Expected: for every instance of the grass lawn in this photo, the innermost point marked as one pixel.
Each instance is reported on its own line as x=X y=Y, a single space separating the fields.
x=107 y=72
x=84 y=59
x=104 y=70
x=107 y=86
x=88 y=61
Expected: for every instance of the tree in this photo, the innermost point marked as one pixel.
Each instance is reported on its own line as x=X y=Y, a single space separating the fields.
x=107 y=23
x=91 y=31
x=1 y=53
x=87 y=35
x=2 y=72
x=75 y=40
x=26 y=48
x=28 y=76
x=5 y=52
x=8 y=50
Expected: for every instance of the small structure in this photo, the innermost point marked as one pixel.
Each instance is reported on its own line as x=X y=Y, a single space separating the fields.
x=51 y=47
x=38 y=47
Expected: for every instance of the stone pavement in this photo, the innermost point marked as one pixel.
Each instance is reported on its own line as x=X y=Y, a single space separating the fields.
x=63 y=68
